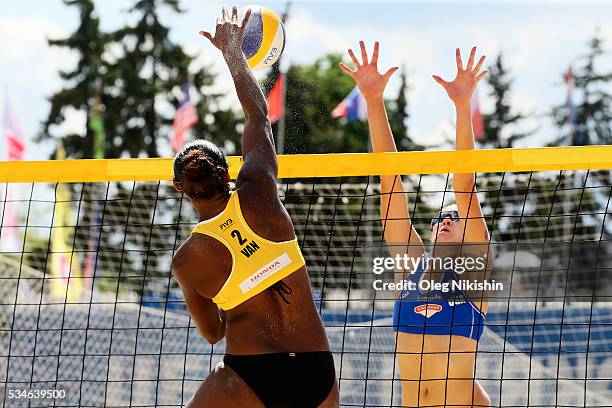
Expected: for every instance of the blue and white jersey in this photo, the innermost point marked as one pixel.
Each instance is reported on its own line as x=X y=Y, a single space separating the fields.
x=441 y=312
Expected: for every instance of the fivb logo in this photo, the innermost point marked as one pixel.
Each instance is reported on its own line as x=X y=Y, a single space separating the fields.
x=226 y=224
x=428 y=309
x=264 y=273
x=270 y=56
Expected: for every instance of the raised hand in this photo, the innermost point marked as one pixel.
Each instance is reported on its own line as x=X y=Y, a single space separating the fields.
x=370 y=82
x=229 y=32
x=461 y=88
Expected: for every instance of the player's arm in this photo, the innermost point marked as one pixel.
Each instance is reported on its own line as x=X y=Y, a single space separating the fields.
x=464 y=185
x=398 y=228
x=258 y=151
x=208 y=318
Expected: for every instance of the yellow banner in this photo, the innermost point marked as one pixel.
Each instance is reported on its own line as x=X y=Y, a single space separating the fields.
x=66 y=282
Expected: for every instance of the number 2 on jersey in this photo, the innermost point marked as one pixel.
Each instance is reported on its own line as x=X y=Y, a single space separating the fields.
x=236 y=234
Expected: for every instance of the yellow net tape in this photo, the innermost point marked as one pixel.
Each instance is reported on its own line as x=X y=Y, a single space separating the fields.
x=325 y=165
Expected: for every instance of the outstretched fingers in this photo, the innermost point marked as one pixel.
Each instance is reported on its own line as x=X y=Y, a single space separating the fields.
x=234 y=14
x=479 y=65
x=375 y=54
x=354 y=58
x=440 y=81
x=390 y=72
x=226 y=14
x=470 y=63
x=364 y=53
x=207 y=35
x=346 y=69
x=481 y=75
x=247 y=17
x=458 y=59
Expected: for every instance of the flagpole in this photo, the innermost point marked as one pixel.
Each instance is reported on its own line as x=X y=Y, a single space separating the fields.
x=280 y=133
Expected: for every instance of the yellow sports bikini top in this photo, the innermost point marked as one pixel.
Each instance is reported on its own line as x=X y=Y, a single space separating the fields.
x=257 y=263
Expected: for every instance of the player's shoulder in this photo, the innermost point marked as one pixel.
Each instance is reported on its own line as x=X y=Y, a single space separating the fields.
x=196 y=249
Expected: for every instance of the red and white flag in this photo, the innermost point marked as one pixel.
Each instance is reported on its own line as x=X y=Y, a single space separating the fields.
x=569 y=103
x=15 y=150
x=477 y=118
x=275 y=99
x=186 y=117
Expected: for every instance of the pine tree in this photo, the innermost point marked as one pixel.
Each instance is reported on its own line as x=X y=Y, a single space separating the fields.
x=398 y=116
x=149 y=68
x=139 y=81
x=500 y=124
x=593 y=123
x=80 y=89
x=79 y=93
x=500 y=129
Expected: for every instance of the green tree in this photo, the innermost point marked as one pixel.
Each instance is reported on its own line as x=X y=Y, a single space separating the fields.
x=137 y=73
x=150 y=68
x=398 y=117
x=593 y=119
x=500 y=124
x=312 y=93
x=82 y=85
x=79 y=91
x=500 y=129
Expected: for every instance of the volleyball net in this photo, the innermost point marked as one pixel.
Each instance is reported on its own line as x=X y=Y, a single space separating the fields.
x=88 y=304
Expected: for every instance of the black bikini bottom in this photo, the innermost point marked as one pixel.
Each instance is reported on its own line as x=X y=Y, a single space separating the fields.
x=287 y=380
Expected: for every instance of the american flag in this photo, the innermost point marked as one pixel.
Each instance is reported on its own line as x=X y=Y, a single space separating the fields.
x=352 y=107
x=186 y=117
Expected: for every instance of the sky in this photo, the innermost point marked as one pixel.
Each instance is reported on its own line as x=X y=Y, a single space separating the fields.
x=539 y=40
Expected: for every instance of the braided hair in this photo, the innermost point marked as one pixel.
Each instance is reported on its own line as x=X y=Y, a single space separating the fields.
x=200 y=170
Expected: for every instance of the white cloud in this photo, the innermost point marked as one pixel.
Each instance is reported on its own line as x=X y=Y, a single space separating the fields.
x=29 y=68
x=25 y=45
x=307 y=38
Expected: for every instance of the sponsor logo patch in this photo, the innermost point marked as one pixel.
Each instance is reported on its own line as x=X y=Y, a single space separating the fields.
x=264 y=273
x=428 y=309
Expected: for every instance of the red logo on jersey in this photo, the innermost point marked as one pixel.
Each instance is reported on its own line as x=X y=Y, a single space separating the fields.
x=264 y=271
x=428 y=309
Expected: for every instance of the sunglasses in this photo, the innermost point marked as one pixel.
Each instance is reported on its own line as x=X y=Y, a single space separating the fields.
x=454 y=215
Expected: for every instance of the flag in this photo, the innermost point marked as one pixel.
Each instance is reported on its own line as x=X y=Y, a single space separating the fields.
x=569 y=103
x=15 y=150
x=66 y=282
x=92 y=255
x=578 y=134
x=275 y=99
x=96 y=124
x=186 y=117
x=477 y=119
x=13 y=134
x=353 y=107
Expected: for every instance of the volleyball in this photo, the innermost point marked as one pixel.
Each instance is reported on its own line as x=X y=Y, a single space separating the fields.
x=264 y=38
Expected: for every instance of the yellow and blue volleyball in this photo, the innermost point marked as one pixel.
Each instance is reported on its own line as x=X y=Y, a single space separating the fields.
x=264 y=38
